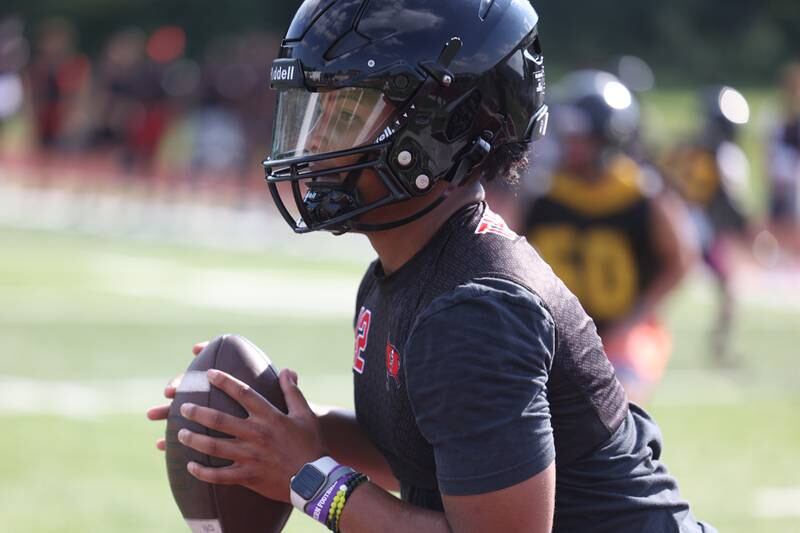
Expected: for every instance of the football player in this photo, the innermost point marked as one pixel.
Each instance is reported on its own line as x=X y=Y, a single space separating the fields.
x=711 y=173
x=607 y=227
x=482 y=393
x=784 y=165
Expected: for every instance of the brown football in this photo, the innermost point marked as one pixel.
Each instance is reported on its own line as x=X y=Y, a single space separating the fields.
x=221 y=508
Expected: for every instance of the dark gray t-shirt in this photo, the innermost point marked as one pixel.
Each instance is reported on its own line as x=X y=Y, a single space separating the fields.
x=475 y=368
x=478 y=387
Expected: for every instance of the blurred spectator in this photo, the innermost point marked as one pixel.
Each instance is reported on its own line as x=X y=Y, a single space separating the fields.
x=14 y=52
x=257 y=51
x=711 y=172
x=144 y=106
x=59 y=77
x=154 y=112
x=116 y=102
x=230 y=122
x=218 y=139
x=784 y=165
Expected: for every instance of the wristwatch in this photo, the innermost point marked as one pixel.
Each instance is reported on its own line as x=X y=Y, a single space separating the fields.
x=313 y=478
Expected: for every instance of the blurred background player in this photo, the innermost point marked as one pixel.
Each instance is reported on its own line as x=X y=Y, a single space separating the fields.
x=60 y=77
x=604 y=222
x=784 y=166
x=116 y=95
x=711 y=173
x=13 y=57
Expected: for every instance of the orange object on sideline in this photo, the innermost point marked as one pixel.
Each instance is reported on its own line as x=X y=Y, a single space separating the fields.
x=640 y=357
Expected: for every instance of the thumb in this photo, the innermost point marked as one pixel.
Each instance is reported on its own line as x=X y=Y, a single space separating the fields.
x=295 y=400
x=199 y=347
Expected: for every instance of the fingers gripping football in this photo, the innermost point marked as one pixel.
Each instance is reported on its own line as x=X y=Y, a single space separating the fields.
x=267 y=447
x=253 y=402
x=223 y=448
x=161 y=412
x=217 y=420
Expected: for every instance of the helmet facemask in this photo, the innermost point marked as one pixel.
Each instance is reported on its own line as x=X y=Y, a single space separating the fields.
x=324 y=143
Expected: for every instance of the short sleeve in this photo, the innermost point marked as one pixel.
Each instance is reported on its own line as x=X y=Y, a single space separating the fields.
x=477 y=369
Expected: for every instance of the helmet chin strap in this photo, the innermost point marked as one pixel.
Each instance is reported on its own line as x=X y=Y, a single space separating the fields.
x=477 y=153
x=341 y=197
x=347 y=192
x=371 y=228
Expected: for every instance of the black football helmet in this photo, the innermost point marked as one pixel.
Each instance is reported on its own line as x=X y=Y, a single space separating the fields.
x=596 y=104
x=415 y=90
x=724 y=110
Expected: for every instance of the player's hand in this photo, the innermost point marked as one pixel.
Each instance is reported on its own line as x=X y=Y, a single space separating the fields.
x=267 y=448
x=160 y=412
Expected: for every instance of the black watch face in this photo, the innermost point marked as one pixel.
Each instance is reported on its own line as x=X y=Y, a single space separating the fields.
x=307 y=482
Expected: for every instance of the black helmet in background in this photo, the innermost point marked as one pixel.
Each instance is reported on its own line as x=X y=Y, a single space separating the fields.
x=596 y=104
x=415 y=91
x=724 y=110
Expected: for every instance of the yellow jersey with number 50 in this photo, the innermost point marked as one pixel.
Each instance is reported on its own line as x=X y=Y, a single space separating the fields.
x=596 y=237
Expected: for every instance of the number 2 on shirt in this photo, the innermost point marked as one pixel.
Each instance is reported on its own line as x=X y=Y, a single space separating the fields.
x=362 y=333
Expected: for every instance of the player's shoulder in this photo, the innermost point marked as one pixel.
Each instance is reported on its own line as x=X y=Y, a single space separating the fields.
x=484 y=321
x=625 y=183
x=489 y=296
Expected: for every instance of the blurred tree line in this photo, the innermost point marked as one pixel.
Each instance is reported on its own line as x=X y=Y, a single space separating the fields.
x=686 y=41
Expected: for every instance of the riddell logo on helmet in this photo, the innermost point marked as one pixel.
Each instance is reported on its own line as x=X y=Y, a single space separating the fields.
x=283 y=73
x=388 y=132
x=391 y=130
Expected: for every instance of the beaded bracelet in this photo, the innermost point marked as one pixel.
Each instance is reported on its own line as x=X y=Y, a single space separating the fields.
x=341 y=497
x=319 y=508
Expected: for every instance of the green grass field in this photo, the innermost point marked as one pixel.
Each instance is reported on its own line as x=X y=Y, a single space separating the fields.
x=92 y=314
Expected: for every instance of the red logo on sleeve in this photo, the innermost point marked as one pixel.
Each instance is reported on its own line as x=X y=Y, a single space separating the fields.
x=494 y=224
x=392 y=366
x=362 y=334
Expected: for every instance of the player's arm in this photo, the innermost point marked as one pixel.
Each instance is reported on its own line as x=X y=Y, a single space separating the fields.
x=349 y=445
x=524 y=508
x=676 y=248
x=477 y=384
x=675 y=244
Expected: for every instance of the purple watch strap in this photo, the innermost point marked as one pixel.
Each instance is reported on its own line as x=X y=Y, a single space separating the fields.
x=319 y=507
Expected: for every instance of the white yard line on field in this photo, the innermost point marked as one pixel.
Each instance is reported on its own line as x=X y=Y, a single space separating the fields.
x=774 y=502
x=188 y=222
x=266 y=291
x=74 y=399
x=260 y=292
x=90 y=399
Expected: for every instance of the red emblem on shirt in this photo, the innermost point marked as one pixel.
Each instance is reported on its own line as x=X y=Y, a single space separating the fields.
x=392 y=366
x=494 y=224
x=362 y=336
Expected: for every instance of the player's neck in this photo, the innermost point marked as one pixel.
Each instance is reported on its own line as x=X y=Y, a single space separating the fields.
x=397 y=246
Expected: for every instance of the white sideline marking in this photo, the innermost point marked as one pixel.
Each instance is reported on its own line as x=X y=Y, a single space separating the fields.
x=687 y=387
x=73 y=399
x=778 y=502
x=256 y=292
x=91 y=399
x=272 y=291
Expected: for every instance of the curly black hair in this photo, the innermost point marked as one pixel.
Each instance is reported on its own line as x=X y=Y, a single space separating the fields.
x=506 y=163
